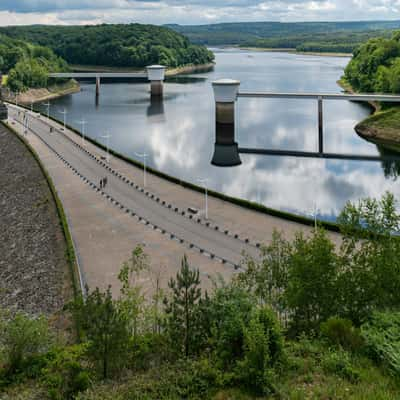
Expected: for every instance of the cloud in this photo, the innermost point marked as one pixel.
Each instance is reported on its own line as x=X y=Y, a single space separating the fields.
x=191 y=11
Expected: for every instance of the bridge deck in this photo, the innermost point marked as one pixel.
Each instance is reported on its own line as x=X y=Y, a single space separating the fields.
x=132 y=75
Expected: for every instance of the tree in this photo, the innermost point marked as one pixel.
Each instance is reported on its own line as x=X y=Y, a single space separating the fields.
x=181 y=309
x=104 y=327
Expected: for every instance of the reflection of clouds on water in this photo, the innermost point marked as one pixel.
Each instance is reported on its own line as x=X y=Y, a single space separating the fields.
x=179 y=133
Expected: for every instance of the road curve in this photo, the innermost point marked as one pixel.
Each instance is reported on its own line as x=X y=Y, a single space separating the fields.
x=209 y=241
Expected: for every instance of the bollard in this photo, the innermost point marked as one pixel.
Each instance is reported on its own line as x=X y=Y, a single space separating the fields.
x=156 y=74
x=226 y=151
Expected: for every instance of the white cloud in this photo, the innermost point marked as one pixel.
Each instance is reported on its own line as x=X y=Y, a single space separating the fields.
x=191 y=11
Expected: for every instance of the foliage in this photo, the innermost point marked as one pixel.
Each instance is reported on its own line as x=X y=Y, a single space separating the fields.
x=105 y=328
x=308 y=280
x=21 y=339
x=27 y=65
x=263 y=347
x=339 y=362
x=65 y=374
x=130 y=45
x=341 y=332
x=375 y=66
x=182 y=309
x=382 y=337
x=342 y=37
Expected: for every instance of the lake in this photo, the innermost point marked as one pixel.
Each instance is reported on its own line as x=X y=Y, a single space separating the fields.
x=178 y=135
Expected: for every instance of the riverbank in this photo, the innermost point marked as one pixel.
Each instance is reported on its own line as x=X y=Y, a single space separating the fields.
x=294 y=51
x=382 y=127
x=45 y=94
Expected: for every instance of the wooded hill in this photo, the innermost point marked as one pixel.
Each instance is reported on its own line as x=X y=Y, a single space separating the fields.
x=132 y=45
x=302 y=36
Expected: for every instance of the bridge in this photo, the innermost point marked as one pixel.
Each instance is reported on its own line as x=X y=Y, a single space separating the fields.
x=227 y=151
x=154 y=73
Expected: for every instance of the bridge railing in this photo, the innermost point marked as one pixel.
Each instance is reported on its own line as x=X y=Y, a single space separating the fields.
x=227 y=151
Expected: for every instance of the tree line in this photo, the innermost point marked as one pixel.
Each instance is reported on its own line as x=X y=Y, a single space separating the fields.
x=375 y=66
x=27 y=65
x=305 y=296
x=130 y=45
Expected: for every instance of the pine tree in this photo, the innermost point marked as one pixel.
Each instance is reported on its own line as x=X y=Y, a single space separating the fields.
x=182 y=308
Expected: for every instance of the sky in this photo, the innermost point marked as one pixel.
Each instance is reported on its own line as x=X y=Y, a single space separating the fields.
x=67 y=12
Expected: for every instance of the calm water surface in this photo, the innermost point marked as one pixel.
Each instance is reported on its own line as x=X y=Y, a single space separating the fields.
x=178 y=135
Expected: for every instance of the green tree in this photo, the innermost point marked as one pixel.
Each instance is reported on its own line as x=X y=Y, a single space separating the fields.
x=105 y=329
x=182 y=308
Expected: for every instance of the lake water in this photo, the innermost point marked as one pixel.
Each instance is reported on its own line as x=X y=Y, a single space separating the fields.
x=178 y=135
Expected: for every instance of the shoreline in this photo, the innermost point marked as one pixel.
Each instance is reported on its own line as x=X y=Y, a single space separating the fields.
x=45 y=94
x=381 y=127
x=294 y=51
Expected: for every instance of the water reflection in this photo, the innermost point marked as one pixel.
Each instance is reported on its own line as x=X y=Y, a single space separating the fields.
x=179 y=133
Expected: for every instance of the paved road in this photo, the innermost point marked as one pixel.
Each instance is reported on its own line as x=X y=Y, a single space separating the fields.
x=213 y=243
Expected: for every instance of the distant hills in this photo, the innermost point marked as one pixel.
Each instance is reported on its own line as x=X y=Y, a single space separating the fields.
x=302 y=36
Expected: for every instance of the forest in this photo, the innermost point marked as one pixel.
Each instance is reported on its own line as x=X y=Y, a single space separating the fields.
x=27 y=65
x=130 y=45
x=308 y=319
x=340 y=37
x=375 y=66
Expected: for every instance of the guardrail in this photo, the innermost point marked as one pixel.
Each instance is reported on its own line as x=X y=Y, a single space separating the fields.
x=226 y=151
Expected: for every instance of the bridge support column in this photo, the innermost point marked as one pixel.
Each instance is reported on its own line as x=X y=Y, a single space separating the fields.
x=156 y=75
x=226 y=151
x=97 y=86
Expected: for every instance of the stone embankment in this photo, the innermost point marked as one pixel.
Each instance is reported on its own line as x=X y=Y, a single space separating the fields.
x=34 y=273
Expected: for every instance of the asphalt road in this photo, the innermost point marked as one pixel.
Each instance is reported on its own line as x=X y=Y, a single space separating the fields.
x=212 y=242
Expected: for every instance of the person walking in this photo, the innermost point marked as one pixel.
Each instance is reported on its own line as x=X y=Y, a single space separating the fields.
x=105 y=181
x=101 y=183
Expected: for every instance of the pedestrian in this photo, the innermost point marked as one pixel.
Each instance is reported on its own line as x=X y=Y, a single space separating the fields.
x=105 y=181
x=101 y=183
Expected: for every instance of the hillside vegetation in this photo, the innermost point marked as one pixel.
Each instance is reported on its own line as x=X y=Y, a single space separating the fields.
x=132 y=45
x=375 y=68
x=27 y=65
x=341 y=37
x=304 y=321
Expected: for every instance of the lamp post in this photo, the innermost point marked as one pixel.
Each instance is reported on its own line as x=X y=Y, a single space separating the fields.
x=107 y=137
x=143 y=155
x=83 y=123
x=65 y=112
x=31 y=105
x=204 y=181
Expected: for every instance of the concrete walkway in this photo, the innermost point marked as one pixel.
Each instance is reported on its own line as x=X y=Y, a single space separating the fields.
x=107 y=224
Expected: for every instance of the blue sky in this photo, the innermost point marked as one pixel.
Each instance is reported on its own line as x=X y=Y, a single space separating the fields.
x=13 y=12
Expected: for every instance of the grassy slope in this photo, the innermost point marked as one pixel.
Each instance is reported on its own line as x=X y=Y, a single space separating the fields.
x=313 y=371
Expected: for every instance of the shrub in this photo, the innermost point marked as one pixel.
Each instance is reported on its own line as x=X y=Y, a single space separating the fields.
x=339 y=363
x=382 y=339
x=65 y=375
x=22 y=338
x=341 y=332
x=262 y=350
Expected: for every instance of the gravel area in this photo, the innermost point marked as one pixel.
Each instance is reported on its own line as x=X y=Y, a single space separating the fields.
x=34 y=273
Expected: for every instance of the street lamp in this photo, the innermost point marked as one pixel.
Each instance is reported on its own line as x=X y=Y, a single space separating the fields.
x=204 y=181
x=144 y=155
x=65 y=112
x=48 y=108
x=83 y=123
x=107 y=137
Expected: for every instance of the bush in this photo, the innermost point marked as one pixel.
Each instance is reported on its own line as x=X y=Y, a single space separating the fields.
x=339 y=363
x=22 y=338
x=263 y=345
x=341 y=332
x=65 y=375
x=382 y=338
